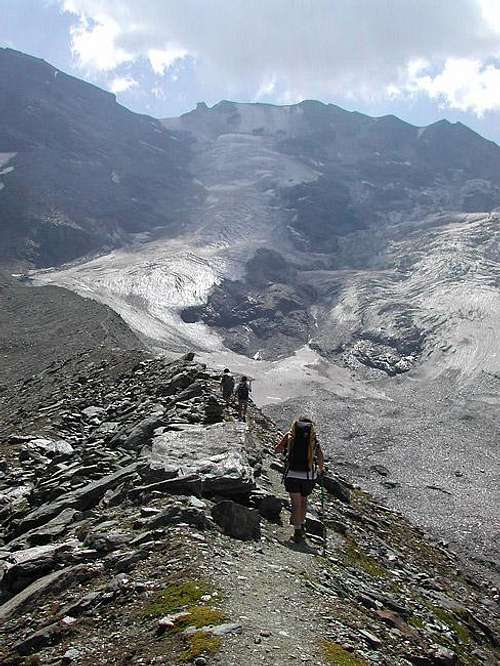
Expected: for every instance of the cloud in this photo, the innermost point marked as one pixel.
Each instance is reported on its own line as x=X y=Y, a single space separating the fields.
x=464 y=84
x=163 y=59
x=122 y=83
x=287 y=50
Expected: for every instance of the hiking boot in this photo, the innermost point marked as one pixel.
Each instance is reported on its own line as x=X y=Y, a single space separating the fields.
x=298 y=535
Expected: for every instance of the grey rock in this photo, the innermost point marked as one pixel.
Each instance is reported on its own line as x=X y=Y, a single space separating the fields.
x=70 y=655
x=445 y=657
x=337 y=488
x=24 y=566
x=105 y=542
x=48 y=447
x=314 y=525
x=390 y=484
x=236 y=520
x=372 y=640
x=380 y=469
x=269 y=506
x=216 y=630
x=197 y=502
x=217 y=454
x=53 y=582
x=81 y=499
x=48 y=532
x=183 y=485
x=174 y=515
x=141 y=434
x=93 y=411
x=84 y=604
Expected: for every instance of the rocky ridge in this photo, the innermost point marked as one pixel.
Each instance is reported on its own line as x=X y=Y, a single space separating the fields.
x=142 y=524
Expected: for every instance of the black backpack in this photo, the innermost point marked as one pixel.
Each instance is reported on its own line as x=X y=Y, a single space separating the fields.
x=301 y=450
x=227 y=383
x=242 y=391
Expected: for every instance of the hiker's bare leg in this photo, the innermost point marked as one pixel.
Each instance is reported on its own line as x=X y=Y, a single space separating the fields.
x=303 y=509
x=296 y=502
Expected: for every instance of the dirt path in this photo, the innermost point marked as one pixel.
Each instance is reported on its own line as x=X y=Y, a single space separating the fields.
x=265 y=587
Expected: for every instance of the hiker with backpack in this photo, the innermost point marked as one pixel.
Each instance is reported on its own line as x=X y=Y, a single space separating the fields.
x=243 y=394
x=227 y=386
x=304 y=463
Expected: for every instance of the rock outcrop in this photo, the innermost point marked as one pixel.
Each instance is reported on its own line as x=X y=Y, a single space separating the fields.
x=142 y=523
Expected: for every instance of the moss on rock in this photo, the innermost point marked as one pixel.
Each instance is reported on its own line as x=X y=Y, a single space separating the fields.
x=337 y=655
x=198 y=644
x=176 y=597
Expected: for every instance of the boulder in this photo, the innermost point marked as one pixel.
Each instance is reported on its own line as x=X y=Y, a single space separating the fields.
x=24 y=566
x=174 y=515
x=314 y=525
x=93 y=411
x=215 y=453
x=182 y=485
x=54 y=581
x=445 y=657
x=82 y=499
x=105 y=542
x=141 y=434
x=337 y=488
x=45 y=534
x=50 y=448
x=236 y=520
x=49 y=635
x=269 y=506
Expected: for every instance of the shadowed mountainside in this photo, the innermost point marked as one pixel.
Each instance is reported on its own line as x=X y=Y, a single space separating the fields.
x=79 y=172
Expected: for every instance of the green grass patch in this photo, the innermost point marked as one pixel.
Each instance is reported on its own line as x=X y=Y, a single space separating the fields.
x=199 y=644
x=177 y=597
x=416 y=622
x=335 y=654
x=353 y=556
x=199 y=616
x=460 y=631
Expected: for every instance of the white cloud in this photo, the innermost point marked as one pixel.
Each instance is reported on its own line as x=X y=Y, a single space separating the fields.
x=289 y=49
x=122 y=83
x=464 y=84
x=163 y=59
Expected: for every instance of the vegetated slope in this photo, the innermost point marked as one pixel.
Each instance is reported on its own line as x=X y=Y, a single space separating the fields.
x=78 y=172
x=46 y=325
x=142 y=524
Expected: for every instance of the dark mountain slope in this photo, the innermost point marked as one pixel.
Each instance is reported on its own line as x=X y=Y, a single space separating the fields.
x=77 y=170
x=45 y=325
x=371 y=171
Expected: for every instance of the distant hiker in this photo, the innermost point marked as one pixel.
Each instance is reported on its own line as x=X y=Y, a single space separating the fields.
x=304 y=459
x=243 y=394
x=227 y=386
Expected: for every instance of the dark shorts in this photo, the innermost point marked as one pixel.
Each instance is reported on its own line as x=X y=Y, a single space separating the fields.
x=227 y=395
x=302 y=486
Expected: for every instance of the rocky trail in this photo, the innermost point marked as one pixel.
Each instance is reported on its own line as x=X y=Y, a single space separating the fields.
x=142 y=524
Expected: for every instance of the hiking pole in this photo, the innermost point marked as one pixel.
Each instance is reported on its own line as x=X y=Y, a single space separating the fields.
x=322 y=486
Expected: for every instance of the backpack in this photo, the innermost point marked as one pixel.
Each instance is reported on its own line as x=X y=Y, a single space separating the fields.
x=301 y=447
x=242 y=391
x=227 y=383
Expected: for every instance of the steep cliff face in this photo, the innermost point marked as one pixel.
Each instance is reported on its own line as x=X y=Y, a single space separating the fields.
x=78 y=172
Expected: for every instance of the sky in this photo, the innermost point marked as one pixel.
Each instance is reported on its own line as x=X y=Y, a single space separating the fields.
x=421 y=60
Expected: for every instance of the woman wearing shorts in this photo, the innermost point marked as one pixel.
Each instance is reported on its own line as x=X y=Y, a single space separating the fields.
x=304 y=462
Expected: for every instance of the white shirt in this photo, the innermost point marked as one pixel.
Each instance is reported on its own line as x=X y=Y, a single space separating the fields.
x=292 y=474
